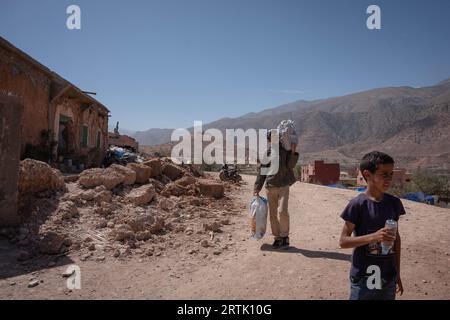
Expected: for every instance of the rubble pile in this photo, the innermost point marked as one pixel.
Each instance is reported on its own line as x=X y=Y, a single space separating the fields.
x=37 y=176
x=121 y=155
x=142 y=208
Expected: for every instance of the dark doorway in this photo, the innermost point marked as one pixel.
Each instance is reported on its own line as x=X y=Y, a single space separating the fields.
x=63 y=135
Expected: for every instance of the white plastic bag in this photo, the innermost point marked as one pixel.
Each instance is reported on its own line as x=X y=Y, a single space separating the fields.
x=258 y=217
x=287 y=133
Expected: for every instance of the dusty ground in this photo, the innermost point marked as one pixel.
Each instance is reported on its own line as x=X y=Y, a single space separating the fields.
x=234 y=267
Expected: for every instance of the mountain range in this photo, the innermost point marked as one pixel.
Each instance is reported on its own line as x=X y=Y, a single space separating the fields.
x=411 y=124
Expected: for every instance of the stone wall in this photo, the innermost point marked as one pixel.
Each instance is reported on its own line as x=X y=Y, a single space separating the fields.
x=72 y=108
x=10 y=131
x=32 y=86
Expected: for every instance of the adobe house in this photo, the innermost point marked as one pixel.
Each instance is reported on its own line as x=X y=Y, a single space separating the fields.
x=320 y=173
x=122 y=140
x=399 y=178
x=59 y=121
x=10 y=116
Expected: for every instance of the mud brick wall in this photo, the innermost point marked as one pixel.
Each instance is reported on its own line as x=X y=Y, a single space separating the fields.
x=10 y=132
x=32 y=86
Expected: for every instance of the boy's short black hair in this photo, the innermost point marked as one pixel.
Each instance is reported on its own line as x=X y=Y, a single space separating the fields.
x=371 y=161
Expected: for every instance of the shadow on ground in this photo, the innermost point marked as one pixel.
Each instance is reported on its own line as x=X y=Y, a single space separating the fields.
x=309 y=253
x=11 y=267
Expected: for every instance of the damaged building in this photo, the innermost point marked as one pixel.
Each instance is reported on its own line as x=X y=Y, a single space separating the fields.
x=320 y=173
x=59 y=122
x=122 y=140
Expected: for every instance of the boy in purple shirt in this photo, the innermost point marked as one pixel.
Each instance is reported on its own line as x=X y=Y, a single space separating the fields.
x=365 y=216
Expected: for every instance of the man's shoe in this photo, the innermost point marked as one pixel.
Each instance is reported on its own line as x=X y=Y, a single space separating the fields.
x=277 y=243
x=285 y=241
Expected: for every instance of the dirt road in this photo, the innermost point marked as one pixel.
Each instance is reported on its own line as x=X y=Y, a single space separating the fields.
x=234 y=267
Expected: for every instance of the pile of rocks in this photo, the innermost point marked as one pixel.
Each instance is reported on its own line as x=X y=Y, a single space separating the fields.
x=116 y=211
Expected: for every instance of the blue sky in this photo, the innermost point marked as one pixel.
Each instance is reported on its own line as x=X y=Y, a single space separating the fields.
x=167 y=63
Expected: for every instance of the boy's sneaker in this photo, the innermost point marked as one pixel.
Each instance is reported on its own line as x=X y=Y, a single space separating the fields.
x=277 y=243
x=285 y=241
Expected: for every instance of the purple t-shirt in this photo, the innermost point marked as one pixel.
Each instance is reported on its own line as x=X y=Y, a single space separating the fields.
x=369 y=216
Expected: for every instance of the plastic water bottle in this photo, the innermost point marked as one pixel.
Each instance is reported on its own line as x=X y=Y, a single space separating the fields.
x=386 y=246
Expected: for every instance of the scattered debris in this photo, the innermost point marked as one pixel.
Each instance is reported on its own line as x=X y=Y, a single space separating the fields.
x=129 y=174
x=211 y=188
x=204 y=243
x=143 y=172
x=214 y=226
x=121 y=156
x=155 y=166
x=50 y=241
x=109 y=178
x=117 y=211
x=141 y=195
x=172 y=171
x=37 y=176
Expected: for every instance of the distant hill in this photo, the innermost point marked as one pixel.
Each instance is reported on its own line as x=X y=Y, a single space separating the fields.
x=148 y=137
x=127 y=132
x=412 y=124
x=153 y=136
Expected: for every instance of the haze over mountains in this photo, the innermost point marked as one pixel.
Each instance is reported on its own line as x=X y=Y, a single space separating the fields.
x=412 y=124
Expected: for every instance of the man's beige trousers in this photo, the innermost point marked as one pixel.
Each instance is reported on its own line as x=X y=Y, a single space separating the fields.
x=278 y=198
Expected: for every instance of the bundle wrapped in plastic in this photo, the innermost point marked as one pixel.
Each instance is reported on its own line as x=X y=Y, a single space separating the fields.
x=288 y=135
x=258 y=217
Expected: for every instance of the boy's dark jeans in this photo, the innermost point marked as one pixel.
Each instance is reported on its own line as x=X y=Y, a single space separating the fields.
x=359 y=290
